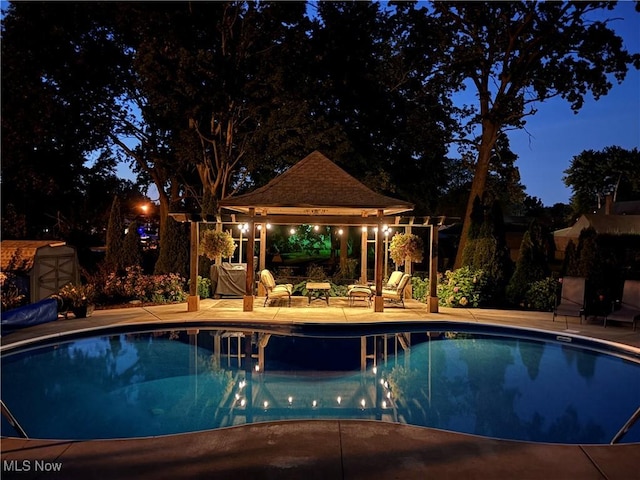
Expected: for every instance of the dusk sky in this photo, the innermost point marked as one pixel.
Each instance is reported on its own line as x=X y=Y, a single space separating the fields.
x=555 y=134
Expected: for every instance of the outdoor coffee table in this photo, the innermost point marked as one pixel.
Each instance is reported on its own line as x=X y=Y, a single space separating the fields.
x=320 y=289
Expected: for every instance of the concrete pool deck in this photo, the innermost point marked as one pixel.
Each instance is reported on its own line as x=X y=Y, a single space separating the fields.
x=319 y=448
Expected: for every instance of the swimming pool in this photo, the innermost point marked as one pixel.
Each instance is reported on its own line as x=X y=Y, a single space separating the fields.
x=491 y=381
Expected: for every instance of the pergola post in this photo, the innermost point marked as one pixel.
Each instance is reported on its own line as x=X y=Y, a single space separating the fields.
x=193 y=301
x=408 y=265
x=379 y=300
x=263 y=257
x=432 y=306
x=363 y=254
x=247 y=304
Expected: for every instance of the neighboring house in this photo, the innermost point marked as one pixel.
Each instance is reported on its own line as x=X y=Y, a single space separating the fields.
x=46 y=265
x=603 y=224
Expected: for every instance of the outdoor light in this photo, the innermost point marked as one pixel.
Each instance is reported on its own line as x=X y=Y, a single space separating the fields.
x=268 y=226
x=265 y=404
x=364 y=229
x=316 y=228
x=314 y=404
x=375 y=370
x=259 y=226
x=243 y=402
x=389 y=394
x=363 y=403
x=237 y=396
x=257 y=367
x=339 y=400
x=242 y=384
x=382 y=382
x=292 y=231
x=290 y=400
x=340 y=232
x=384 y=404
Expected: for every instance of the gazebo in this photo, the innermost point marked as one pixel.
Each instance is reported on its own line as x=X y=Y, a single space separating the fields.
x=314 y=190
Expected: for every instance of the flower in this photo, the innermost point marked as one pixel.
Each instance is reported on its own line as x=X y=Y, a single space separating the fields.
x=464 y=301
x=216 y=244
x=77 y=295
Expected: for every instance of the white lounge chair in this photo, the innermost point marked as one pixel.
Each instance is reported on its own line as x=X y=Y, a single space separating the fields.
x=396 y=295
x=274 y=290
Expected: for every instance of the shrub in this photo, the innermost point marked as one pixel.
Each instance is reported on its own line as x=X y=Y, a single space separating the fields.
x=204 y=287
x=463 y=287
x=12 y=296
x=542 y=294
x=419 y=288
x=134 y=285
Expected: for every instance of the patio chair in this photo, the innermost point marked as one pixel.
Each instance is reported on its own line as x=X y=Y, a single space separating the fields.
x=396 y=295
x=392 y=283
x=629 y=310
x=571 y=299
x=274 y=290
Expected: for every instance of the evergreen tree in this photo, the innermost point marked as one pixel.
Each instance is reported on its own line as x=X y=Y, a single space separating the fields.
x=570 y=262
x=174 y=249
x=532 y=264
x=477 y=217
x=115 y=237
x=131 y=248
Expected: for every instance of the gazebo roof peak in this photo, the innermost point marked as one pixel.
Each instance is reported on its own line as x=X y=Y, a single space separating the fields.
x=316 y=186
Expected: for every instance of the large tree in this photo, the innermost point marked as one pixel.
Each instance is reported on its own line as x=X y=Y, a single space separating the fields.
x=594 y=174
x=516 y=55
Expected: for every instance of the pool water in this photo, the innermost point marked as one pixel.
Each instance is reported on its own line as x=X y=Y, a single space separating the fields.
x=142 y=384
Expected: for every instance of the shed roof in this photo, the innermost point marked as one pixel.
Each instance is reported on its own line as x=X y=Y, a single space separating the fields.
x=20 y=254
x=316 y=186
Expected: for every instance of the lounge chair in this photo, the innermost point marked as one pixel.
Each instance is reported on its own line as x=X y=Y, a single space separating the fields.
x=571 y=299
x=274 y=290
x=396 y=295
x=629 y=310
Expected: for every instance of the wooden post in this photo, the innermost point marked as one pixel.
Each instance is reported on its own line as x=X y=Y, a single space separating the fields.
x=247 y=304
x=433 y=271
x=363 y=254
x=408 y=266
x=193 y=301
x=343 y=248
x=378 y=300
x=263 y=257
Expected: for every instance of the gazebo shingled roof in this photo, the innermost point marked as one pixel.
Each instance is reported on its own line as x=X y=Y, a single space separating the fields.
x=316 y=186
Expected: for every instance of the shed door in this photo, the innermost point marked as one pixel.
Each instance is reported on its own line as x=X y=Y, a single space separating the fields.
x=53 y=272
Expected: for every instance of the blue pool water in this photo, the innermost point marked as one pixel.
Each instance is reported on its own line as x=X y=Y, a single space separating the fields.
x=136 y=384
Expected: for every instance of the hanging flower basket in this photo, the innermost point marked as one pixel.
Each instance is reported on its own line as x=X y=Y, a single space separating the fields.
x=406 y=246
x=217 y=244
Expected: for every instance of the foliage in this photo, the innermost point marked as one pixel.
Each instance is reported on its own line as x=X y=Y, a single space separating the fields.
x=542 y=294
x=115 y=236
x=463 y=287
x=217 y=243
x=404 y=382
x=10 y=292
x=406 y=246
x=487 y=249
x=419 y=288
x=174 y=249
x=131 y=247
x=204 y=287
x=133 y=284
x=77 y=295
x=532 y=264
x=594 y=174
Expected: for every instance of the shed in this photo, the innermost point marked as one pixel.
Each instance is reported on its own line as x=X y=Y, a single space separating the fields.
x=48 y=265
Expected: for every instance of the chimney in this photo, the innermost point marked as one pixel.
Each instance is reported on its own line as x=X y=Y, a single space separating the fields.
x=608 y=204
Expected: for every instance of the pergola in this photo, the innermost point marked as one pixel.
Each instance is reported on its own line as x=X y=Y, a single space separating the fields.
x=314 y=190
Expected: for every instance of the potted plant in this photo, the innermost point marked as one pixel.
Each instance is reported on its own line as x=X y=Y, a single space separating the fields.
x=216 y=244
x=78 y=299
x=406 y=247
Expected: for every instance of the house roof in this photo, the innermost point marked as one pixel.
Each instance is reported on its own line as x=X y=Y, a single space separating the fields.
x=20 y=254
x=315 y=186
x=603 y=224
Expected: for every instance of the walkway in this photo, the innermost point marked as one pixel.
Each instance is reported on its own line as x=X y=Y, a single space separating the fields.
x=319 y=449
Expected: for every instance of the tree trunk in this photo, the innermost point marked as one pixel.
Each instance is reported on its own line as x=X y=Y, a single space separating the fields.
x=489 y=137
